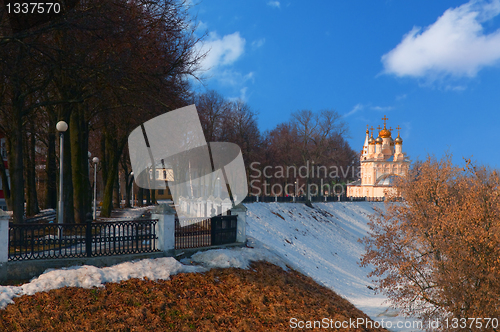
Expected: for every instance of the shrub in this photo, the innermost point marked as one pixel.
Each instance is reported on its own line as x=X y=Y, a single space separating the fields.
x=437 y=254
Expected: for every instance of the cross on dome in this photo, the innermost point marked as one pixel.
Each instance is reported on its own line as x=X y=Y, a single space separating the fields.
x=384 y=133
x=385 y=118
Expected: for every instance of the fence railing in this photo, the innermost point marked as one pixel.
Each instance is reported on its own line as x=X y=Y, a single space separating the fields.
x=43 y=241
x=302 y=199
x=197 y=233
x=192 y=233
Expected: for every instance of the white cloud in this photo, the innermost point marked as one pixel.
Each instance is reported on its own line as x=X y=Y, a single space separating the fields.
x=258 y=43
x=243 y=95
x=454 y=45
x=220 y=61
x=201 y=26
x=274 y=4
x=234 y=78
x=221 y=51
x=354 y=110
x=382 y=108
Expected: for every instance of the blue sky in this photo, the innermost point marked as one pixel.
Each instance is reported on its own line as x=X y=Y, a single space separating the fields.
x=433 y=67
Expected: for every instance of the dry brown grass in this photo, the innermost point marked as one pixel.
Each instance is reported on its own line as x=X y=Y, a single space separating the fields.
x=262 y=298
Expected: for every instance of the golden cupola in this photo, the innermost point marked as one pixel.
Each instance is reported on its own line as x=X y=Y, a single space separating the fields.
x=398 y=139
x=384 y=133
x=371 y=140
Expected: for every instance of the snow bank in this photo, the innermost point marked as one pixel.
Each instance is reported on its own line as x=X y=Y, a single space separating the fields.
x=88 y=276
x=322 y=243
x=236 y=257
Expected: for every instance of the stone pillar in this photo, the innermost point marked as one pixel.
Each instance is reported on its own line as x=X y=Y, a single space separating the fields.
x=165 y=228
x=241 y=211
x=4 y=236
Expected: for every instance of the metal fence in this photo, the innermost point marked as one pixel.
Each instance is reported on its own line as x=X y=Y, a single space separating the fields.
x=224 y=229
x=197 y=233
x=192 y=233
x=42 y=241
x=302 y=199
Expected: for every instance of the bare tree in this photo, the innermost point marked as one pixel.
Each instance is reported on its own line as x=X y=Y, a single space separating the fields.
x=316 y=135
x=213 y=110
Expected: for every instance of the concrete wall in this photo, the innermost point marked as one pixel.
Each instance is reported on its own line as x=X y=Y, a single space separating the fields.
x=25 y=270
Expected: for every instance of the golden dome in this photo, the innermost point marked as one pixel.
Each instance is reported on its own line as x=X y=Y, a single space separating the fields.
x=384 y=133
x=378 y=140
x=371 y=140
x=398 y=139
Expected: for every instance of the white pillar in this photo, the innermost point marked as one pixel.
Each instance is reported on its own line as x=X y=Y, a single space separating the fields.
x=241 y=211
x=165 y=228
x=4 y=236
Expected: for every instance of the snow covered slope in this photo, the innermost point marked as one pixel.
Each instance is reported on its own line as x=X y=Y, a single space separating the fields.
x=323 y=243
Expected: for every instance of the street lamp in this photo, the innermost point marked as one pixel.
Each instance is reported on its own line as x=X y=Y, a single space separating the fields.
x=133 y=202
x=61 y=126
x=218 y=187
x=95 y=160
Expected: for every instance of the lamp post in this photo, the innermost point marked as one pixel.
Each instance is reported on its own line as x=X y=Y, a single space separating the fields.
x=133 y=202
x=61 y=126
x=95 y=160
x=218 y=187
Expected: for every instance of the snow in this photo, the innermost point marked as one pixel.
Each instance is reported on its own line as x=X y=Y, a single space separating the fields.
x=237 y=257
x=88 y=276
x=321 y=243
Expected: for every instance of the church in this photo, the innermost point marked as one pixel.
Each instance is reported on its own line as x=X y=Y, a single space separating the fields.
x=381 y=160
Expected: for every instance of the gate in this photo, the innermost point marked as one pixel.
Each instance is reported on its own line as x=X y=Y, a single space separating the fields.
x=224 y=229
x=197 y=233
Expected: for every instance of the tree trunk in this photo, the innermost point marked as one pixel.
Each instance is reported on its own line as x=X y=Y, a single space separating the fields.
x=140 y=196
x=79 y=165
x=51 y=166
x=153 y=197
x=128 y=189
x=113 y=150
x=29 y=156
x=16 y=171
x=107 y=205
x=5 y=183
x=148 y=197
x=107 y=202
x=116 y=191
